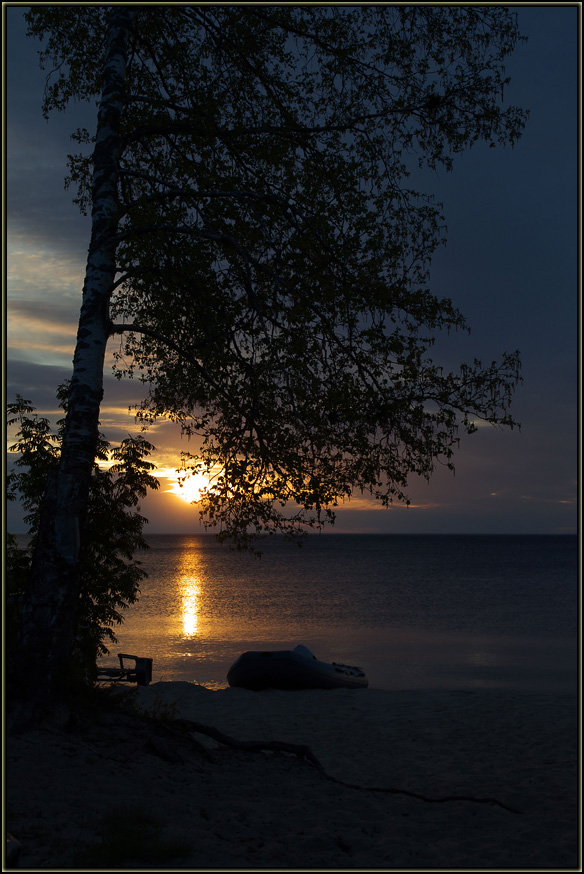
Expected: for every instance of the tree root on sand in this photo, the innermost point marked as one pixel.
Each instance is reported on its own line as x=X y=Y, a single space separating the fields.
x=304 y=752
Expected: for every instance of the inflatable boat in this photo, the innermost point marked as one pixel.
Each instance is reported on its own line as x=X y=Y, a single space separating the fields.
x=294 y=668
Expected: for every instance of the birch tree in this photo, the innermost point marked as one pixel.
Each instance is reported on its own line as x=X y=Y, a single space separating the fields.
x=110 y=571
x=262 y=250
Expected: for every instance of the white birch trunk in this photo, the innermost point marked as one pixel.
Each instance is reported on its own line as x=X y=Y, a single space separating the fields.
x=48 y=626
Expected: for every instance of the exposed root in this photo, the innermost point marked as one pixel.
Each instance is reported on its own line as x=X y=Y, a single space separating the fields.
x=299 y=750
x=304 y=752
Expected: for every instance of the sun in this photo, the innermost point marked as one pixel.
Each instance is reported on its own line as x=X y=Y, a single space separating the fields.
x=190 y=489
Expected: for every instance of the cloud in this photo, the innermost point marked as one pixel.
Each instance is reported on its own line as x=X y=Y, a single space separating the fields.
x=41 y=211
x=34 y=271
x=34 y=381
x=38 y=382
x=44 y=297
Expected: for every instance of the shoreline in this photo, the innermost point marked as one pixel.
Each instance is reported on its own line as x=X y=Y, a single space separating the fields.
x=239 y=809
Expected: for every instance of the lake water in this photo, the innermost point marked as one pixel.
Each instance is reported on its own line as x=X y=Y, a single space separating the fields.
x=416 y=612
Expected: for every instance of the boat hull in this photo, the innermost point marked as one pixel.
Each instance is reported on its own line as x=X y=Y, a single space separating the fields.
x=290 y=669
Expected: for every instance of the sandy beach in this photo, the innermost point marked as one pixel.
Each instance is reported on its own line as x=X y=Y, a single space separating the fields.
x=484 y=779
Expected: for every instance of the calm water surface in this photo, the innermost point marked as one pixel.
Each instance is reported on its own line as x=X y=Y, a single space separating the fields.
x=415 y=611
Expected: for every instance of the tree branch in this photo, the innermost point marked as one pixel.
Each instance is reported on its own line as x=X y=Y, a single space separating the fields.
x=218 y=387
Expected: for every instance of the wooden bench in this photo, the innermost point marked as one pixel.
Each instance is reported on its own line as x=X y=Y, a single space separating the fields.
x=140 y=672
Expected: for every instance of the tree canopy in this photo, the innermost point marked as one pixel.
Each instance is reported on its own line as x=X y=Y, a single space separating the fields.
x=272 y=260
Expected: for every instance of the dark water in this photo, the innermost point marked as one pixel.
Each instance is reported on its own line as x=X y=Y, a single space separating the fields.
x=415 y=611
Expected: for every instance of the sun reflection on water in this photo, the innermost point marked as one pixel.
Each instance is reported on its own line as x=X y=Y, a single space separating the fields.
x=190 y=594
x=190 y=588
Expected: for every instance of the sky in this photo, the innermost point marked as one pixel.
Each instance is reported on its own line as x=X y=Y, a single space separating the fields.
x=511 y=265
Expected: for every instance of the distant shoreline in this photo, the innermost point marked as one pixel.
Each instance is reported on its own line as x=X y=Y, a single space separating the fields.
x=332 y=533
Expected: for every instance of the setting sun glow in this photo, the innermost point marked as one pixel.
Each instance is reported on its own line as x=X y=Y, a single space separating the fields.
x=189 y=489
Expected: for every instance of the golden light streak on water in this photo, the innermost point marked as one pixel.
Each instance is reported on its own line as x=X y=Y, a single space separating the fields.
x=190 y=604
x=190 y=584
